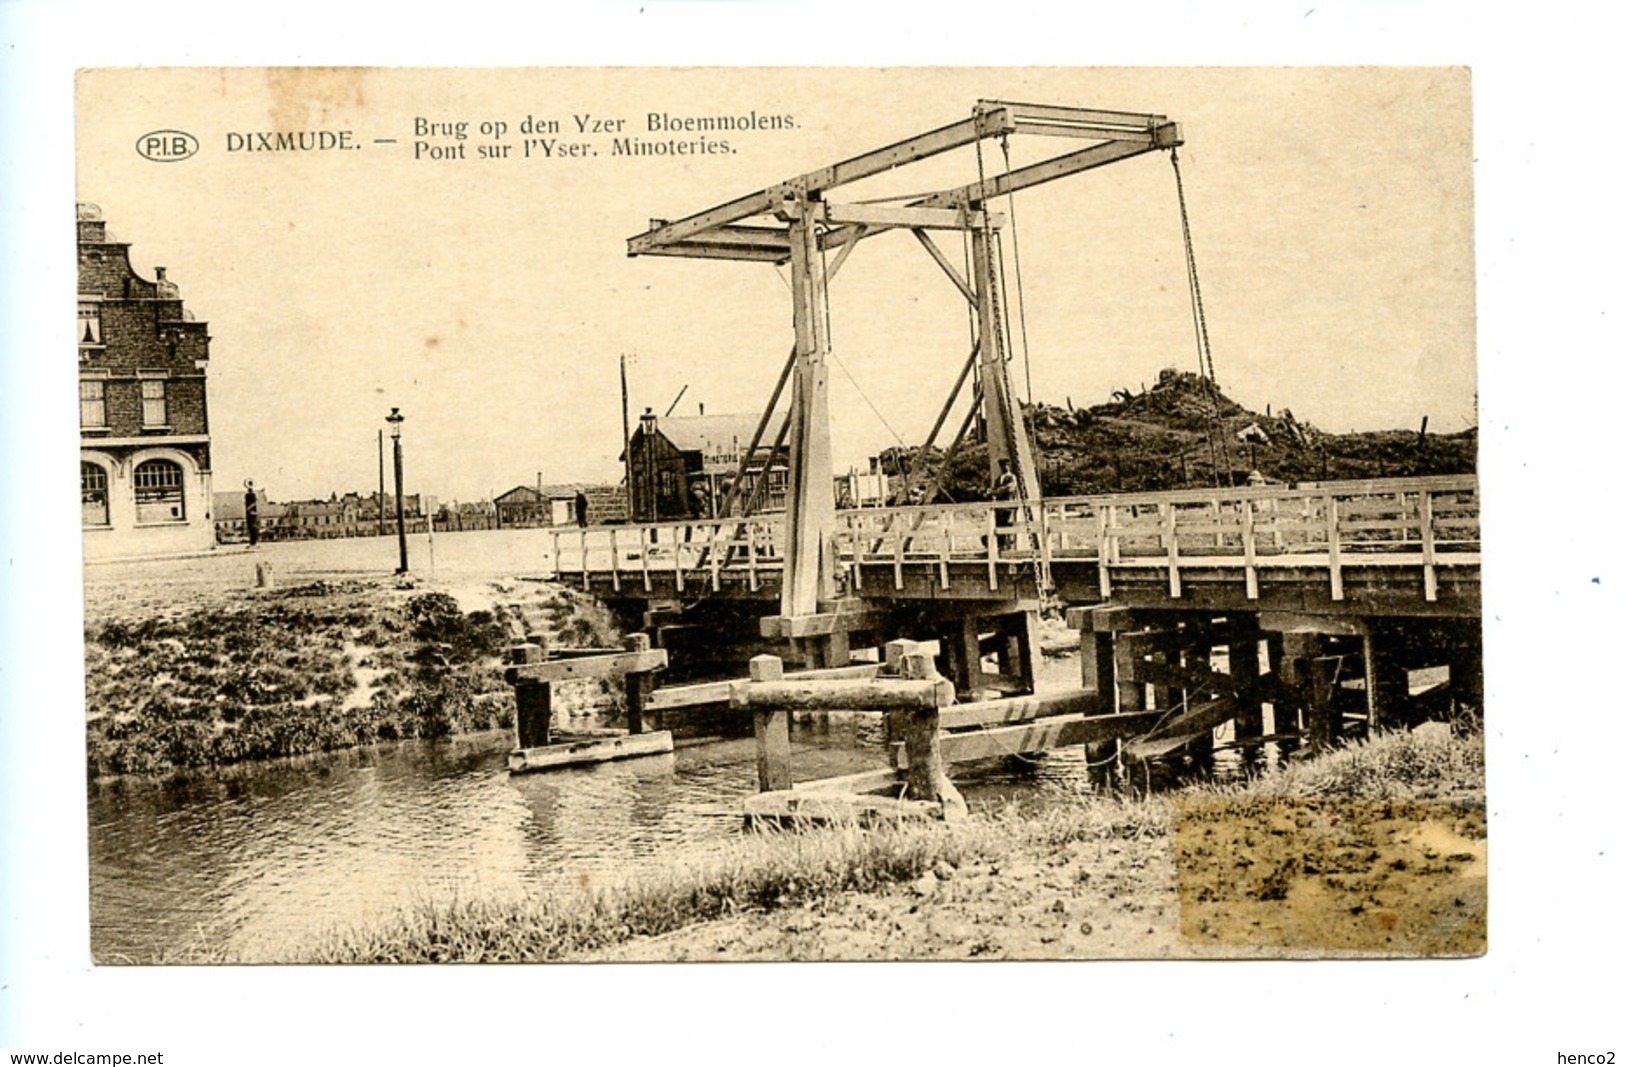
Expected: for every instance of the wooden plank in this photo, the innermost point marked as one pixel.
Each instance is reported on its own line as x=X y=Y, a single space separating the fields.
x=1249 y=550
x=589 y=750
x=1099 y=155
x=588 y=667
x=1018 y=709
x=1103 y=552
x=1334 y=560
x=1022 y=111
x=800 y=808
x=1430 y=577
x=868 y=164
x=1043 y=734
x=843 y=694
x=643 y=556
x=687 y=696
x=1185 y=728
x=875 y=781
x=820 y=624
x=929 y=218
x=1170 y=541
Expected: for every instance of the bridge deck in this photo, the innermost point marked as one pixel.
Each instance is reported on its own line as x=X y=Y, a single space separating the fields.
x=1393 y=546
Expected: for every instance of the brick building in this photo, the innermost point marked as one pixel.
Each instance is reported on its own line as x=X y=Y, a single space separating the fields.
x=145 y=483
x=681 y=468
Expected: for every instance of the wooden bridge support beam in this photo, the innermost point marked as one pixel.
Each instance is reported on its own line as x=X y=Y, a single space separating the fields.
x=1325 y=715
x=1201 y=749
x=1284 y=719
x=533 y=701
x=1244 y=672
x=1387 y=687
x=1466 y=662
x=961 y=644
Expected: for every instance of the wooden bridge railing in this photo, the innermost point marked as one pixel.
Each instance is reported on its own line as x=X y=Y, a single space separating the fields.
x=1421 y=523
x=692 y=553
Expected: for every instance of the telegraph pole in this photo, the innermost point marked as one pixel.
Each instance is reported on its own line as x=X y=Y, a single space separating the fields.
x=395 y=418
x=626 y=440
x=382 y=529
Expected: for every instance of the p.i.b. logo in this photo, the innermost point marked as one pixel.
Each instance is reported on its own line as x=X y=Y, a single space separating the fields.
x=166 y=146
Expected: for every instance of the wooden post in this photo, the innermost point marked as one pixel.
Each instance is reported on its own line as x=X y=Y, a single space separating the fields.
x=809 y=574
x=533 y=701
x=1201 y=749
x=1466 y=662
x=965 y=640
x=1128 y=648
x=919 y=729
x=639 y=684
x=1324 y=715
x=1284 y=708
x=1244 y=676
x=772 y=730
x=1387 y=689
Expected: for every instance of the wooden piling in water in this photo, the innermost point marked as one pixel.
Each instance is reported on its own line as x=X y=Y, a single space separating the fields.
x=1244 y=673
x=772 y=725
x=533 y=701
x=1284 y=708
x=639 y=684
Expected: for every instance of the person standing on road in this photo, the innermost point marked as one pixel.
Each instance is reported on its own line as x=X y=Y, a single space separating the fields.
x=251 y=513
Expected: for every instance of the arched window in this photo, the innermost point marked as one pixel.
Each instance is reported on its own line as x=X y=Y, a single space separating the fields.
x=92 y=494
x=160 y=492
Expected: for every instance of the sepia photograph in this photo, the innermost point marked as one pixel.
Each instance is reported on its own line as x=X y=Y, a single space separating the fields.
x=779 y=514
x=743 y=530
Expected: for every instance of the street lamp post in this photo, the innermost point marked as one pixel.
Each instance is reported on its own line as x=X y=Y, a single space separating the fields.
x=395 y=418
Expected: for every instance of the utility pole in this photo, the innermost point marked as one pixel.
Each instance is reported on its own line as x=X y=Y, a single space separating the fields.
x=395 y=418
x=626 y=440
x=381 y=528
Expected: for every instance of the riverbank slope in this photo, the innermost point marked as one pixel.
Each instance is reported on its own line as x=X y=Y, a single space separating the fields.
x=1377 y=849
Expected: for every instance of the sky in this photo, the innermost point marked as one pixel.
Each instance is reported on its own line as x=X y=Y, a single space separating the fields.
x=491 y=299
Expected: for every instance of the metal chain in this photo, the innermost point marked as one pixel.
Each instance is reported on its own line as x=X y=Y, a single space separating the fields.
x=1204 y=348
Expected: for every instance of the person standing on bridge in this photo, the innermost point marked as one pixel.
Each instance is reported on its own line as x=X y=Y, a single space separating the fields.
x=1004 y=488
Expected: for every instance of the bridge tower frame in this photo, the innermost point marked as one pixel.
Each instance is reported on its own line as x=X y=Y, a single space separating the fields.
x=806 y=225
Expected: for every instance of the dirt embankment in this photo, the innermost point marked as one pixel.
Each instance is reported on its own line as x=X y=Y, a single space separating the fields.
x=244 y=675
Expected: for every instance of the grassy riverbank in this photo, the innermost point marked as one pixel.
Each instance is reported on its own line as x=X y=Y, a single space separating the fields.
x=1395 y=826
x=315 y=667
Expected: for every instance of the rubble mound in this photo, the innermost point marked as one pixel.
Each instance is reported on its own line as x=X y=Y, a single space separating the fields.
x=1184 y=432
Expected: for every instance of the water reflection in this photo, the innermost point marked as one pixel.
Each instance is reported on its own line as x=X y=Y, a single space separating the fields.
x=252 y=857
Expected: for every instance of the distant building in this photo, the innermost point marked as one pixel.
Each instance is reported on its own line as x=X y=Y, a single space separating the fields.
x=561 y=504
x=473 y=515
x=350 y=515
x=145 y=481
x=681 y=468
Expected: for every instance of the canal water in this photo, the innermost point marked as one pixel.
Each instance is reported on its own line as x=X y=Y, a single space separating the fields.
x=246 y=860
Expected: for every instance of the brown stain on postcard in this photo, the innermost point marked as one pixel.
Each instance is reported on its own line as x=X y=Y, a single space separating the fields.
x=302 y=97
x=1388 y=877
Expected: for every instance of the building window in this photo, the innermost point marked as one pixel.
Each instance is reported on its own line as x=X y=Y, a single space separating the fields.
x=92 y=404
x=154 y=402
x=160 y=492
x=90 y=322
x=92 y=494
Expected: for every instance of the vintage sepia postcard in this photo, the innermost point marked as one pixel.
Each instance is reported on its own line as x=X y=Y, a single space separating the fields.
x=779 y=514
